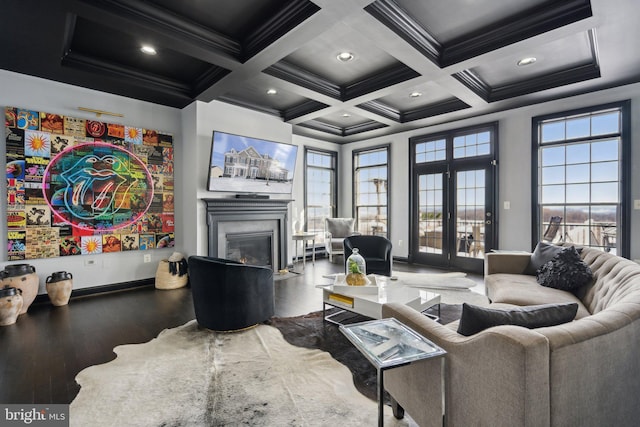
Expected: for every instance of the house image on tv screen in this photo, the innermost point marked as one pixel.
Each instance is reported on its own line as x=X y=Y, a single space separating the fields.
x=250 y=164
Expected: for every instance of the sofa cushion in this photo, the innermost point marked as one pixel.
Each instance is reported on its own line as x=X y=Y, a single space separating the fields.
x=475 y=319
x=565 y=271
x=521 y=289
x=542 y=254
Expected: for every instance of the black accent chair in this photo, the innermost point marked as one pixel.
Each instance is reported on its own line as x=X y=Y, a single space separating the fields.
x=228 y=295
x=376 y=251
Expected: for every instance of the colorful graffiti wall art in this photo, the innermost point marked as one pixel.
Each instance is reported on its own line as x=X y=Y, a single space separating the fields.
x=84 y=187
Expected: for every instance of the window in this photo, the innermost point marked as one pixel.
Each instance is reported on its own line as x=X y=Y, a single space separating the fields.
x=320 y=190
x=582 y=160
x=370 y=183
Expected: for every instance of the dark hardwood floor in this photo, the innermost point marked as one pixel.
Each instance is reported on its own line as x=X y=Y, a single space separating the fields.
x=41 y=354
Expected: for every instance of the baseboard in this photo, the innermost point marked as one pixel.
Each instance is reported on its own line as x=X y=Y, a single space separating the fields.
x=401 y=259
x=96 y=290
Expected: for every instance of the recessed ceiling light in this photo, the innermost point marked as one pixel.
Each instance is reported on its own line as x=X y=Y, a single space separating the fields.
x=345 y=115
x=149 y=50
x=345 y=56
x=271 y=91
x=527 y=61
x=415 y=94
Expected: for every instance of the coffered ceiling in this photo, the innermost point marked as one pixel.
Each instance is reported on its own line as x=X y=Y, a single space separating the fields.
x=415 y=62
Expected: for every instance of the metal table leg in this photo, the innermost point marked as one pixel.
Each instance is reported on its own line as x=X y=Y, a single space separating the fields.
x=380 y=398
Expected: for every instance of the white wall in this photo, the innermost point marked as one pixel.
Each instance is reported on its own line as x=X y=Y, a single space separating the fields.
x=514 y=168
x=200 y=120
x=19 y=90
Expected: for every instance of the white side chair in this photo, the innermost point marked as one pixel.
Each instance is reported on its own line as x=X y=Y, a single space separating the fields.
x=336 y=229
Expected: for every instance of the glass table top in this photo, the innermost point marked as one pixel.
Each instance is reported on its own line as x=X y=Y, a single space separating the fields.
x=388 y=342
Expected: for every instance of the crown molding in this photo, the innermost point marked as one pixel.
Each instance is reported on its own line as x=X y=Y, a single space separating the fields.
x=117 y=71
x=250 y=105
x=170 y=24
x=382 y=109
x=395 y=74
x=208 y=78
x=363 y=127
x=286 y=19
x=302 y=109
x=342 y=131
x=400 y=22
x=530 y=23
x=564 y=77
x=430 y=110
x=293 y=74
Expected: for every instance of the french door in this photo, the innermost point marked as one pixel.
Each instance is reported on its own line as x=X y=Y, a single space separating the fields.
x=453 y=221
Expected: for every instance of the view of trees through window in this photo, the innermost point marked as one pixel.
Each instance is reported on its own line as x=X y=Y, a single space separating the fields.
x=580 y=178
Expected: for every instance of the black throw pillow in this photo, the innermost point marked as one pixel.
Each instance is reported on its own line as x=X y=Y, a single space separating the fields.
x=543 y=253
x=565 y=271
x=475 y=319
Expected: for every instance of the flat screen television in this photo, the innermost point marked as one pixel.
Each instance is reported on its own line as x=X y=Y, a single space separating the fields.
x=241 y=164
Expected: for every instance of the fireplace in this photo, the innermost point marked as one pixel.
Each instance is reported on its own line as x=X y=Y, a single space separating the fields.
x=259 y=226
x=251 y=248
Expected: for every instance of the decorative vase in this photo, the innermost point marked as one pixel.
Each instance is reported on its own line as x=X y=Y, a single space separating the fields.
x=59 y=286
x=10 y=305
x=23 y=277
x=356 y=274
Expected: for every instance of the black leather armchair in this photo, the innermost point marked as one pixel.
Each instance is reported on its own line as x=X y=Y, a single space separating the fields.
x=376 y=251
x=228 y=295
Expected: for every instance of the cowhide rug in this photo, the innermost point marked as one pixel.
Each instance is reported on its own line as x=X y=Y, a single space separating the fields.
x=189 y=376
x=312 y=332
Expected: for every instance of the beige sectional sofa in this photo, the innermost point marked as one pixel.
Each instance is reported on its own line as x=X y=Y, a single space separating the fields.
x=582 y=373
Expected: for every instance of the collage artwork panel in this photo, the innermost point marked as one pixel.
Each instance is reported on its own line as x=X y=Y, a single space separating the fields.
x=84 y=187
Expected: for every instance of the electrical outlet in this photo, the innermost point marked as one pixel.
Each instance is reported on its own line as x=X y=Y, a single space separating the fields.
x=636 y=204
x=507 y=205
x=89 y=262
x=147 y=257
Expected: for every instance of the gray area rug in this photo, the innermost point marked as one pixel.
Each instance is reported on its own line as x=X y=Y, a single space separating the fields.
x=190 y=376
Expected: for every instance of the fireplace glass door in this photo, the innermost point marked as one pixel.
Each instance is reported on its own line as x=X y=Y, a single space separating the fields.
x=251 y=248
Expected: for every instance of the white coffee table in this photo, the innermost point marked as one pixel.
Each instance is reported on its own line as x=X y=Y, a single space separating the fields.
x=370 y=304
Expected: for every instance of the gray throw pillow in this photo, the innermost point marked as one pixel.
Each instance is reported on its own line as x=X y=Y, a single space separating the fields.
x=565 y=271
x=475 y=319
x=542 y=254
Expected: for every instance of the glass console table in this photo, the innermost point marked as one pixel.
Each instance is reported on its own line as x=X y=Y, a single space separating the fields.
x=387 y=344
